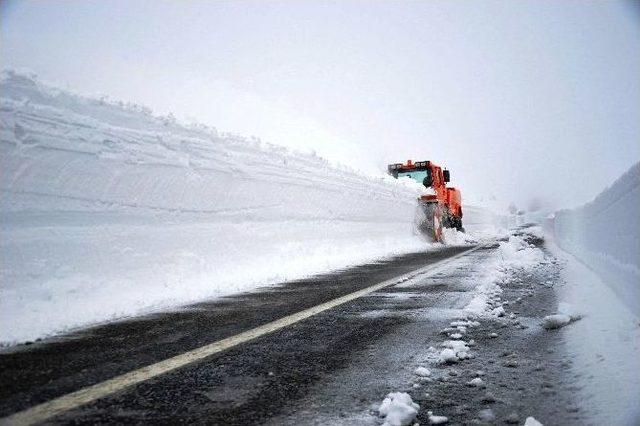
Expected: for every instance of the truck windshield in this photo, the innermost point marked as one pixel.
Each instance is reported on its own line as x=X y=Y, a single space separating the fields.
x=418 y=176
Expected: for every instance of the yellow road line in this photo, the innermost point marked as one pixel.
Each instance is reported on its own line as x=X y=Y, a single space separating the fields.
x=47 y=410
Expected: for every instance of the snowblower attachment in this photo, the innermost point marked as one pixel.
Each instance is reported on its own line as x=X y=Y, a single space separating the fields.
x=440 y=206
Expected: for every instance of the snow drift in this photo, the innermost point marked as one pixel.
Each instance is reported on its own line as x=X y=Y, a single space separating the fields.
x=108 y=211
x=605 y=234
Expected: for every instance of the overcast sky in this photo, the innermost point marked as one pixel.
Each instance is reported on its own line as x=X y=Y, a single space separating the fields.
x=519 y=99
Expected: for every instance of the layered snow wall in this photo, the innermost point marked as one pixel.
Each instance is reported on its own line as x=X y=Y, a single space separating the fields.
x=108 y=211
x=605 y=234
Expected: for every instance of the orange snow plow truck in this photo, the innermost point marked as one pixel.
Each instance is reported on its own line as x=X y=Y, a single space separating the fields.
x=440 y=206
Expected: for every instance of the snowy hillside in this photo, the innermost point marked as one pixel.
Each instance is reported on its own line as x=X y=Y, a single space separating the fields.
x=109 y=211
x=605 y=234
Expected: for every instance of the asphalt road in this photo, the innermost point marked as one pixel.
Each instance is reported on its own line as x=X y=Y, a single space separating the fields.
x=332 y=368
x=38 y=372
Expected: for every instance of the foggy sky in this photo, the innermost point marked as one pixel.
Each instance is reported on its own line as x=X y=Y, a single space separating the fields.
x=519 y=99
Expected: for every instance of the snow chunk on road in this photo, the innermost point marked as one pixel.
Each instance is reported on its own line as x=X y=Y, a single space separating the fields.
x=455 y=350
x=477 y=382
x=422 y=372
x=448 y=356
x=436 y=420
x=565 y=316
x=456 y=345
x=398 y=409
x=498 y=312
x=530 y=421
x=551 y=322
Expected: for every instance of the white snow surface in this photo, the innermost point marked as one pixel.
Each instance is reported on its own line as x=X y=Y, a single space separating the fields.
x=605 y=234
x=108 y=211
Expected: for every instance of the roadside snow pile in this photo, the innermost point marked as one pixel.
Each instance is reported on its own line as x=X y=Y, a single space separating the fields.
x=108 y=211
x=513 y=254
x=398 y=409
x=605 y=234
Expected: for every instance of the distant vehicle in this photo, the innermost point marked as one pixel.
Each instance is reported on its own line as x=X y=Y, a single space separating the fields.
x=442 y=208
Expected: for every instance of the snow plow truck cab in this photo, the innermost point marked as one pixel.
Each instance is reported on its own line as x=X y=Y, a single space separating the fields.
x=440 y=206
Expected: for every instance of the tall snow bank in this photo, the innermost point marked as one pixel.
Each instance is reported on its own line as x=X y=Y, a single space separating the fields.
x=108 y=211
x=605 y=234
